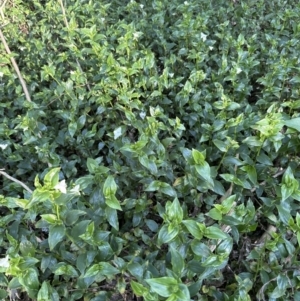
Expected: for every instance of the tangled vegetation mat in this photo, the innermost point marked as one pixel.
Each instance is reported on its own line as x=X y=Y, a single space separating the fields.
x=149 y=150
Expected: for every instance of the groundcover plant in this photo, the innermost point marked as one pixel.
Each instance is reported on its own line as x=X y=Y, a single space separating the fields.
x=149 y=150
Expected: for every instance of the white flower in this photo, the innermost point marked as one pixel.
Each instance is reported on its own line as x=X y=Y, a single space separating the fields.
x=3 y=146
x=142 y=115
x=136 y=35
x=203 y=37
x=61 y=186
x=4 y=262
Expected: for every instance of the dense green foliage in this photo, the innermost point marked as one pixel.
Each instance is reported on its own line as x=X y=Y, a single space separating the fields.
x=161 y=147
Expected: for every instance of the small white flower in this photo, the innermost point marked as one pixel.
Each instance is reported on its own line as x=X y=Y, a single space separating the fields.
x=3 y=146
x=142 y=115
x=203 y=37
x=136 y=35
x=61 y=186
x=238 y=70
x=4 y=262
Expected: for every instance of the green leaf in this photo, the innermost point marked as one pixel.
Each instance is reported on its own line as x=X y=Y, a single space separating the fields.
x=52 y=177
x=183 y=293
x=284 y=211
x=109 y=187
x=164 y=286
x=162 y=187
x=298 y=238
x=215 y=214
x=251 y=172
x=174 y=211
x=56 y=235
x=38 y=197
x=92 y=165
x=153 y=186
x=88 y=235
x=227 y=204
x=51 y=219
x=165 y=235
x=112 y=217
x=72 y=128
x=293 y=123
x=198 y=157
x=290 y=184
x=264 y=159
x=253 y=141
x=30 y=279
x=277 y=293
x=138 y=288
x=72 y=216
x=27 y=248
x=135 y=269
x=152 y=225
x=4 y=294
x=44 y=292
x=112 y=202
x=109 y=190
x=151 y=166
x=286 y=191
x=200 y=248
x=215 y=233
x=177 y=262
x=103 y=268
x=168 y=190
x=204 y=171
x=196 y=229
x=66 y=269
x=222 y=146
x=27 y=262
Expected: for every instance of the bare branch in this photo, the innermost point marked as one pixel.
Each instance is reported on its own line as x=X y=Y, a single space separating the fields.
x=15 y=180
x=15 y=65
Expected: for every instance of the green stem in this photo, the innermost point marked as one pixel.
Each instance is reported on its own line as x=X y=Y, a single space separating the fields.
x=223 y=157
x=259 y=150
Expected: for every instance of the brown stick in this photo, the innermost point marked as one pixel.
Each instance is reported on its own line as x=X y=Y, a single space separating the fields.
x=15 y=65
x=15 y=180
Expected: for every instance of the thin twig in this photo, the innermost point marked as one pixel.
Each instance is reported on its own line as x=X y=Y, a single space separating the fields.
x=261 y=291
x=15 y=180
x=67 y=25
x=15 y=65
x=1 y=8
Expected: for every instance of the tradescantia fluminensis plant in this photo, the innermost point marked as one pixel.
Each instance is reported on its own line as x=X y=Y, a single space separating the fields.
x=158 y=158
